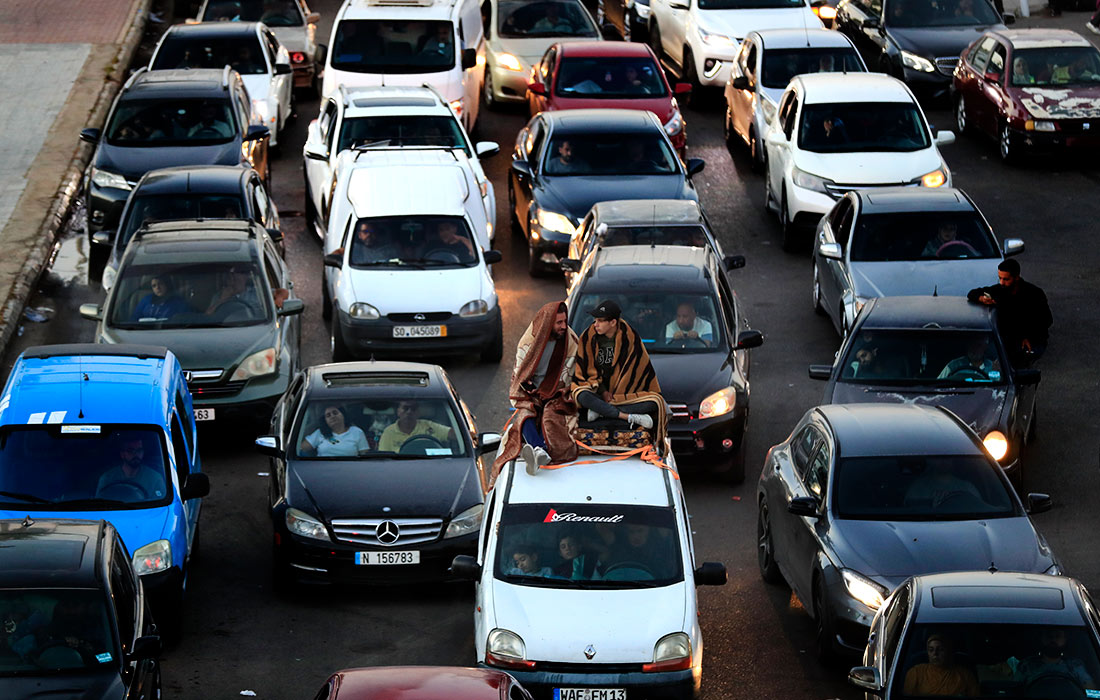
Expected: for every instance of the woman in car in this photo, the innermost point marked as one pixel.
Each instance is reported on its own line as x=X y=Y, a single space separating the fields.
x=335 y=437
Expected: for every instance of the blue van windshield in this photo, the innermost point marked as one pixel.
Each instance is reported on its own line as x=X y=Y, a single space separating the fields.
x=83 y=467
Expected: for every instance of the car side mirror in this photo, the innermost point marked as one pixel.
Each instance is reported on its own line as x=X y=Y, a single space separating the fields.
x=275 y=234
x=945 y=138
x=1012 y=246
x=871 y=23
x=740 y=83
x=292 y=307
x=992 y=76
x=682 y=89
x=1009 y=18
x=1038 y=503
x=492 y=257
x=805 y=506
x=521 y=167
x=256 y=132
x=488 y=442
x=334 y=260
x=832 y=251
x=313 y=18
x=465 y=568
x=711 y=573
x=90 y=136
x=1028 y=377
x=321 y=54
x=314 y=153
x=734 y=262
x=283 y=69
x=196 y=485
x=469 y=58
x=269 y=445
x=609 y=32
x=486 y=149
x=695 y=166
x=536 y=87
x=105 y=237
x=92 y=312
x=145 y=647
x=570 y=265
x=866 y=677
x=749 y=339
x=821 y=371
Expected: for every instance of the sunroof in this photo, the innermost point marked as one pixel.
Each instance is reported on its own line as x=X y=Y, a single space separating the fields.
x=40 y=554
x=334 y=379
x=997 y=597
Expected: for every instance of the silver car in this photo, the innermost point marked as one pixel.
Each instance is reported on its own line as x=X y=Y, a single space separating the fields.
x=902 y=241
x=862 y=496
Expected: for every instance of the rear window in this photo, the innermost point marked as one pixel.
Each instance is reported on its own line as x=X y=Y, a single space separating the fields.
x=614 y=78
x=524 y=18
x=149 y=209
x=780 y=65
x=273 y=13
x=402 y=131
x=179 y=50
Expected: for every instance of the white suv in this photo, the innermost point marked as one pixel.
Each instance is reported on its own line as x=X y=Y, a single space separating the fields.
x=837 y=132
x=406 y=271
x=586 y=581
x=388 y=117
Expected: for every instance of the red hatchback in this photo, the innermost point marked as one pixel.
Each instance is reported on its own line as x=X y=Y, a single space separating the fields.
x=421 y=683
x=580 y=75
x=1031 y=89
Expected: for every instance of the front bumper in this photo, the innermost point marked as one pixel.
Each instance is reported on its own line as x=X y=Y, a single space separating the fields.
x=464 y=335
x=1074 y=136
x=303 y=73
x=810 y=205
x=934 y=84
x=706 y=440
x=104 y=207
x=510 y=85
x=851 y=618
x=713 y=66
x=671 y=685
x=551 y=246
x=251 y=398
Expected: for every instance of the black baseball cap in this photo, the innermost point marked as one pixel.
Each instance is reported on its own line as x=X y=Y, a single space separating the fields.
x=607 y=310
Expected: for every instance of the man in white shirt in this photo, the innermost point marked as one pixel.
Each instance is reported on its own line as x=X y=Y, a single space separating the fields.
x=689 y=325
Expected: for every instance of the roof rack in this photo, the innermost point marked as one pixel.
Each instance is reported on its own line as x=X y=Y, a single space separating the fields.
x=343 y=95
x=435 y=92
x=141 y=352
x=132 y=78
x=225 y=76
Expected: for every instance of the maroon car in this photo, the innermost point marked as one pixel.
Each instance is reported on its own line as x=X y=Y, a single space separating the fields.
x=421 y=683
x=1031 y=89
x=613 y=74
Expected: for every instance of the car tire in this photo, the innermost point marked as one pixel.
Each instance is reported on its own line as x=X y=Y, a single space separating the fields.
x=495 y=350
x=326 y=299
x=787 y=227
x=513 y=220
x=818 y=308
x=339 y=348
x=655 y=40
x=824 y=635
x=1006 y=145
x=962 y=119
x=695 y=99
x=765 y=546
x=487 y=90
x=755 y=153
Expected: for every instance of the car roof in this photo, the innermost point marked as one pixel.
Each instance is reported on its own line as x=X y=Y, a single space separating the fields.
x=927 y=312
x=88 y=383
x=651 y=212
x=397 y=9
x=835 y=88
x=1001 y=597
x=177 y=83
x=421 y=683
x=801 y=39
x=1041 y=38
x=675 y=268
x=198 y=241
x=872 y=430
x=602 y=49
x=50 y=553
x=627 y=481
x=379 y=182
x=206 y=179
x=372 y=378
x=212 y=29
x=912 y=199
x=392 y=99
x=589 y=121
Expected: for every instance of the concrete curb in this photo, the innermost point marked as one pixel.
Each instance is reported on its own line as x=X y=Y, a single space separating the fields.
x=27 y=279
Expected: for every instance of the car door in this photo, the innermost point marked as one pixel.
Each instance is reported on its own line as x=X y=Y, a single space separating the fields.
x=993 y=100
x=785 y=483
x=968 y=75
x=322 y=172
x=545 y=73
x=263 y=206
x=674 y=29
x=806 y=531
x=278 y=278
x=137 y=676
x=281 y=83
x=780 y=144
x=183 y=455
x=523 y=184
x=832 y=273
x=856 y=19
x=743 y=102
x=283 y=427
x=471 y=35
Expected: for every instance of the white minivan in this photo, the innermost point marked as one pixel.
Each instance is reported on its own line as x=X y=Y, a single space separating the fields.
x=586 y=581
x=410 y=42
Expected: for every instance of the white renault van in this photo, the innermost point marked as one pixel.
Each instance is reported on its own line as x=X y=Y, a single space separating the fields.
x=586 y=579
x=410 y=42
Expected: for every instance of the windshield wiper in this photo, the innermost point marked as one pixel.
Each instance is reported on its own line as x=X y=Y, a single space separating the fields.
x=96 y=502
x=29 y=498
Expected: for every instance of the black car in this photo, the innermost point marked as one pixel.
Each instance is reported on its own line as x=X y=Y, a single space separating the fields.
x=375 y=475
x=191 y=192
x=704 y=379
x=917 y=41
x=165 y=118
x=75 y=618
x=564 y=162
x=939 y=351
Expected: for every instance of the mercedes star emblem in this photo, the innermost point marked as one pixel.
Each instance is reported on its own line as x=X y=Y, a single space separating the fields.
x=420 y=317
x=589 y=652
x=387 y=532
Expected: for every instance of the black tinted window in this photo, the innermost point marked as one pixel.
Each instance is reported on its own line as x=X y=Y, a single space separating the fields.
x=171 y=123
x=147 y=209
x=244 y=54
x=948 y=358
x=534 y=19
x=780 y=65
x=610 y=78
x=402 y=131
x=393 y=46
x=922 y=236
x=54 y=629
x=610 y=154
x=273 y=13
x=940 y=13
x=667 y=321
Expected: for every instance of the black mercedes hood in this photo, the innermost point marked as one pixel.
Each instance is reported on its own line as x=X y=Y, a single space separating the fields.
x=574 y=195
x=103 y=685
x=688 y=378
x=933 y=42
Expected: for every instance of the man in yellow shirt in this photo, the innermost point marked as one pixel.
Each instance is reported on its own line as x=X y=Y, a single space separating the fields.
x=409 y=424
x=940 y=676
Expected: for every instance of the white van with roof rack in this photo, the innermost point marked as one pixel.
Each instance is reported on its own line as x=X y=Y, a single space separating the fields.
x=410 y=42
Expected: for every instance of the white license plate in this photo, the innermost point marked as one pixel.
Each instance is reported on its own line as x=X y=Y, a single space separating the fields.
x=419 y=331
x=204 y=414
x=589 y=694
x=386 y=558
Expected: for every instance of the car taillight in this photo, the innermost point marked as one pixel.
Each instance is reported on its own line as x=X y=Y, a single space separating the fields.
x=298 y=57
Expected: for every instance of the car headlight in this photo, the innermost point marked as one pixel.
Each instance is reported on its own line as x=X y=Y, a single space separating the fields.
x=809 y=181
x=103 y=178
x=936 y=178
x=509 y=62
x=675 y=124
x=305 y=525
x=466 y=522
x=1039 y=125
x=912 y=60
x=505 y=643
x=363 y=311
x=256 y=365
x=552 y=221
x=996 y=444
x=671 y=653
x=825 y=12
x=719 y=403
x=266 y=116
x=153 y=557
x=863 y=589
x=477 y=307
x=719 y=40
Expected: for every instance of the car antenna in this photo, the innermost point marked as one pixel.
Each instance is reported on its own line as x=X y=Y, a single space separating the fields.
x=27 y=522
x=84 y=378
x=653 y=225
x=936 y=290
x=992 y=568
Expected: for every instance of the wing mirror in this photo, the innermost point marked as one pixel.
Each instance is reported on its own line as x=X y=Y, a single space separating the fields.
x=695 y=166
x=90 y=136
x=488 y=442
x=866 y=677
x=283 y=69
x=832 y=251
x=469 y=58
x=256 y=132
x=871 y=23
x=292 y=307
x=1038 y=503
x=465 y=568
x=486 y=149
x=1012 y=246
x=269 y=445
x=1009 y=18
x=105 y=237
x=314 y=153
x=521 y=167
x=734 y=262
x=492 y=256
x=334 y=260
x=570 y=265
x=711 y=573
x=536 y=88
x=92 y=312
x=682 y=89
x=945 y=138
x=196 y=485
x=740 y=83
x=146 y=647
x=804 y=506
x=749 y=339
x=678 y=5
x=821 y=371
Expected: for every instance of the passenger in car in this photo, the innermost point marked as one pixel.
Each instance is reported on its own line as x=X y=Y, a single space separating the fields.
x=161 y=303
x=370 y=245
x=448 y=240
x=336 y=437
x=437 y=43
x=575 y=563
x=940 y=675
x=939 y=484
x=525 y=559
x=947 y=232
x=975 y=360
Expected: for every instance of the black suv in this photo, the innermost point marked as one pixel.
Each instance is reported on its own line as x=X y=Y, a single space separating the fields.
x=165 y=118
x=73 y=614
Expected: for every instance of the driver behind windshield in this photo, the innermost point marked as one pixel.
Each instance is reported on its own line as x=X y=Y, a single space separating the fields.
x=945 y=236
x=1052 y=660
x=975 y=360
x=409 y=424
x=447 y=239
x=939 y=484
x=131 y=473
x=635 y=545
x=688 y=325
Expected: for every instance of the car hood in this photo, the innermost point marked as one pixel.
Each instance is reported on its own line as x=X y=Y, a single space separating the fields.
x=132 y=163
x=1081 y=102
x=737 y=23
x=946 y=278
x=258 y=86
x=943 y=42
x=137 y=526
x=871 y=168
x=530 y=51
x=419 y=290
x=979 y=407
x=204 y=348
x=357 y=489
x=690 y=378
x=894 y=550
x=557 y=624
x=575 y=194
x=102 y=685
x=661 y=106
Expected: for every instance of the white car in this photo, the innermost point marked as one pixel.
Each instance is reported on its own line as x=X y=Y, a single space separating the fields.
x=585 y=581
x=700 y=38
x=406 y=272
x=387 y=118
x=834 y=133
x=765 y=63
x=251 y=48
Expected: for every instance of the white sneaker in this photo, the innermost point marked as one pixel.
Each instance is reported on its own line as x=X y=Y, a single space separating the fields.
x=534 y=458
x=593 y=416
x=1092 y=27
x=640 y=419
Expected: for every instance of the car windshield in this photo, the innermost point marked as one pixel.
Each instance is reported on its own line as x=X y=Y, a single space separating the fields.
x=149 y=208
x=54 y=630
x=749 y=4
x=565 y=545
x=940 y=13
x=244 y=54
x=402 y=131
x=613 y=78
x=929 y=235
x=610 y=154
x=273 y=13
x=919 y=487
x=862 y=126
x=393 y=46
x=780 y=65
x=1070 y=65
x=523 y=18
x=190 y=295
x=82 y=467
x=641 y=234
x=667 y=321
x=924 y=356
x=176 y=122
x=411 y=241
x=381 y=428
x=990 y=660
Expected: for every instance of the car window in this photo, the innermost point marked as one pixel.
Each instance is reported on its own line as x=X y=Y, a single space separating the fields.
x=659 y=234
x=188 y=50
x=843 y=230
x=272 y=44
x=785 y=103
x=747 y=4
x=816 y=478
x=273 y=13
x=610 y=154
x=1070 y=65
x=802 y=447
x=924 y=356
x=175 y=122
x=788 y=121
x=412 y=241
x=728 y=304
x=271 y=269
x=290 y=407
x=750 y=63
x=179 y=451
x=979 y=56
x=862 y=126
x=780 y=65
x=667 y=321
x=549 y=63
x=629 y=77
x=394 y=46
x=997 y=61
x=124 y=599
x=893 y=625
x=244 y=109
x=405 y=130
x=264 y=213
x=326 y=122
x=837 y=214
x=486 y=16
x=185 y=420
x=145 y=209
x=940 y=13
x=379 y=428
x=543 y=18
x=899 y=236
x=533 y=144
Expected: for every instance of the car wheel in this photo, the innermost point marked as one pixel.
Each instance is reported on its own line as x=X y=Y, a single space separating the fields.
x=339 y=349
x=755 y=151
x=1007 y=145
x=727 y=131
x=695 y=99
x=818 y=308
x=655 y=40
x=534 y=264
x=962 y=121
x=768 y=198
x=824 y=636
x=787 y=227
x=765 y=547
x=487 y=90
x=495 y=350
x=512 y=218
x=326 y=299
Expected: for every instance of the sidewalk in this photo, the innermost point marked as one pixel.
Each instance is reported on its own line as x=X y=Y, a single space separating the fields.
x=60 y=66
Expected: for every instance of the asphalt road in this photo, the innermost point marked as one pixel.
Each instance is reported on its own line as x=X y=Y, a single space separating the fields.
x=240 y=636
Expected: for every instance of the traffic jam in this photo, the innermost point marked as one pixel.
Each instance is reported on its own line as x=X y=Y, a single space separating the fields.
x=895 y=511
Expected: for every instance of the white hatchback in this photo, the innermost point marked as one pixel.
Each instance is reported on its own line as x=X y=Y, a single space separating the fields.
x=834 y=133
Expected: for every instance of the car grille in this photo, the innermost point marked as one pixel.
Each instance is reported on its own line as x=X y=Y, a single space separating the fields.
x=210 y=392
x=364 y=531
x=563 y=667
x=432 y=316
x=680 y=412
x=946 y=64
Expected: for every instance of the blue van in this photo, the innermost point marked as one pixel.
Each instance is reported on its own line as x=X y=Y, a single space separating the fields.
x=107 y=432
